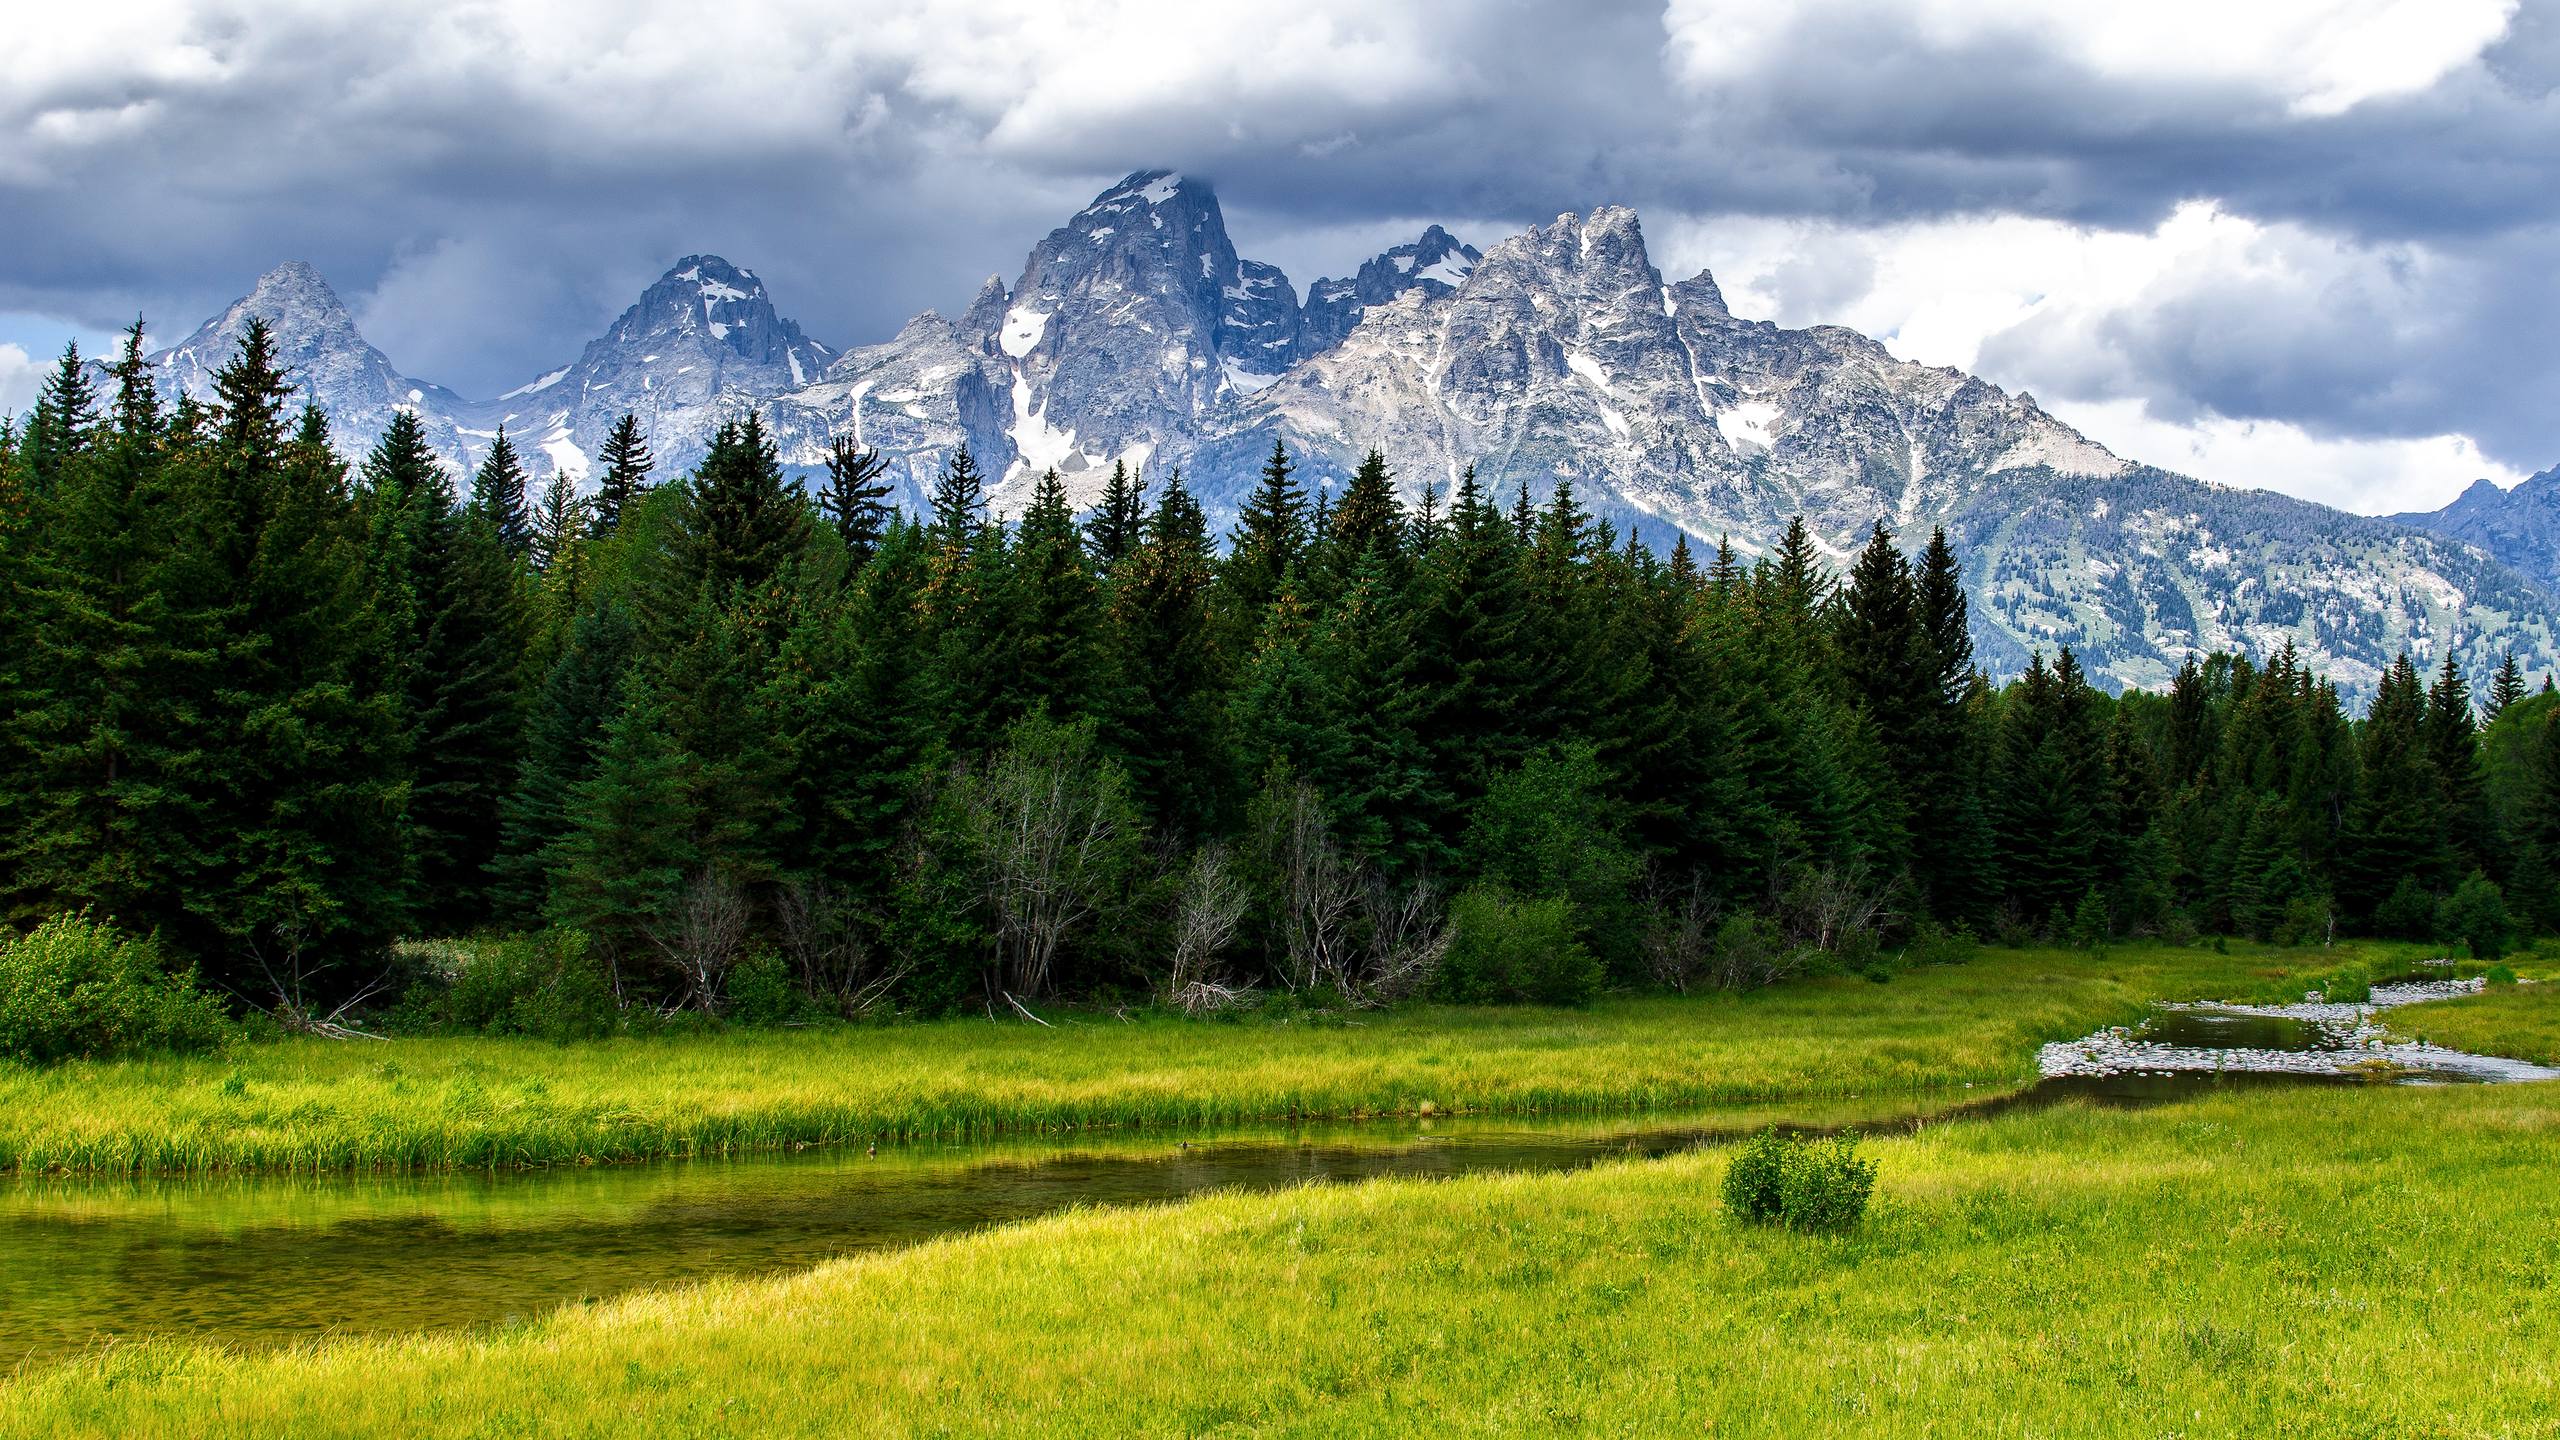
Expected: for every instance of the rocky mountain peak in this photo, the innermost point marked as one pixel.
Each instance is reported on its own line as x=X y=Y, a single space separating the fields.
x=1435 y=265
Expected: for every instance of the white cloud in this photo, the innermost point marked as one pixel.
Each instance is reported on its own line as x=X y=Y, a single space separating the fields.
x=20 y=379
x=2148 y=340
x=2373 y=477
x=2314 y=57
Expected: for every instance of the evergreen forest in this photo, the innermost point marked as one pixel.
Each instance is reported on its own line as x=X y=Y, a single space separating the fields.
x=765 y=749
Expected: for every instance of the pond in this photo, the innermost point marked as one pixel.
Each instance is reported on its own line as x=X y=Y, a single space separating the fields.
x=249 y=1260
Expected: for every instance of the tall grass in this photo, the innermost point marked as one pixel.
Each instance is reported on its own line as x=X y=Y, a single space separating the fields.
x=309 y=1105
x=2311 y=1262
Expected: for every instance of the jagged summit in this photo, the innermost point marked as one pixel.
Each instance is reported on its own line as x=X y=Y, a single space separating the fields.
x=2519 y=527
x=321 y=350
x=1435 y=264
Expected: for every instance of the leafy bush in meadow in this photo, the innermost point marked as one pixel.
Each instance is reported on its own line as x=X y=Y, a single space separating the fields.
x=77 y=988
x=1506 y=948
x=1802 y=1184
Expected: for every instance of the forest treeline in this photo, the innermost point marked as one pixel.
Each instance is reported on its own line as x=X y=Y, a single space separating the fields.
x=281 y=711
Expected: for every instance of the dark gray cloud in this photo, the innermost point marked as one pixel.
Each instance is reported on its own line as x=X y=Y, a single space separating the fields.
x=489 y=187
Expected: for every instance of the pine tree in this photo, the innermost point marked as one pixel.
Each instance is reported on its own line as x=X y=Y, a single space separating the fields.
x=558 y=523
x=855 y=500
x=565 y=730
x=498 y=493
x=448 y=590
x=2395 y=829
x=2453 y=747
x=622 y=863
x=625 y=477
x=1169 y=670
x=1120 y=524
x=2505 y=690
x=1267 y=546
x=1055 y=611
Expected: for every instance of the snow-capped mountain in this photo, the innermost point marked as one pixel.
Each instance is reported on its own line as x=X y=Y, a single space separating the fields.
x=1136 y=333
x=700 y=346
x=1436 y=264
x=319 y=347
x=2520 y=527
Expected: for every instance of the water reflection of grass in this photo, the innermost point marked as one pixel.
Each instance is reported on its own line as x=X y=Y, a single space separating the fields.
x=2228 y=1265
x=316 y=1105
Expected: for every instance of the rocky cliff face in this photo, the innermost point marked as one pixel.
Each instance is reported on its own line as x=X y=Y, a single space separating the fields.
x=1135 y=333
x=2519 y=527
x=328 y=360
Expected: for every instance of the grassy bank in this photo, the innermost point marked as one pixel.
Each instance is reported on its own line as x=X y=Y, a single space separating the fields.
x=2520 y=1021
x=2319 y=1261
x=307 y=1105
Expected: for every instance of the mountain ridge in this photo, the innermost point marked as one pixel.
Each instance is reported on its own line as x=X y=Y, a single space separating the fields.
x=1137 y=334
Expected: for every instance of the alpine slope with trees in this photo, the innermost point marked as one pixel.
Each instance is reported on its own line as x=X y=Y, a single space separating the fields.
x=717 y=742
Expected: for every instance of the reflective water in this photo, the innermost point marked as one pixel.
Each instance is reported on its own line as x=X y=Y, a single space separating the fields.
x=267 y=1260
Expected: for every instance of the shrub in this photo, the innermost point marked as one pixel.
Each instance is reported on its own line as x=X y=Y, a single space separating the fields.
x=2499 y=975
x=1802 y=1184
x=2303 y=921
x=2409 y=913
x=1750 y=953
x=2476 y=914
x=1505 y=948
x=1934 y=944
x=2090 y=927
x=548 y=985
x=761 y=992
x=78 y=988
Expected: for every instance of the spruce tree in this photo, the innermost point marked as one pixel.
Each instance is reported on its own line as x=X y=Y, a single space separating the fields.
x=625 y=477
x=959 y=499
x=1055 y=611
x=855 y=500
x=2453 y=746
x=309 y=877
x=1169 y=672
x=457 y=638
x=628 y=846
x=1267 y=545
x=1368 y=525
x=564 y=730
x=1119 y=526
x=498 y=493
x=558 y=523
x=64 y=424
x=2505 y=690
x=2395 y=829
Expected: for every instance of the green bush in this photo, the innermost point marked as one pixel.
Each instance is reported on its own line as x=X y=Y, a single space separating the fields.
x=1507 y=949
x=2499 y=975
x=547 y=985
x=2409 y=913
x=1799 y=1183
x=2089 y=925
x=2303 y=921
x=78 y=988
x=1934 y=944
x=2476 y=914
x=761 y=991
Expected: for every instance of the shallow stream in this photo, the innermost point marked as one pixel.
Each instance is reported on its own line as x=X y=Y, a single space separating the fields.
x=251 y=1260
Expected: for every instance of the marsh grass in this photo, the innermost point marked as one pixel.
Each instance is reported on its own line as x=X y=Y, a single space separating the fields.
x=2316 y=1261
x=307 y=1105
